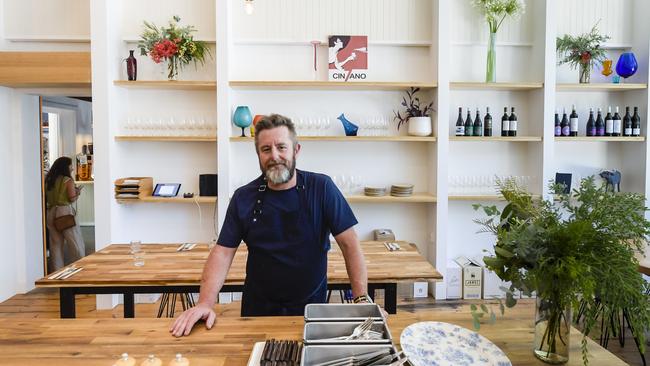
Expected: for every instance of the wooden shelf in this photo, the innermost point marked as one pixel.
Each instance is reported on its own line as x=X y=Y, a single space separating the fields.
x=166 y=84
x=601 y=139
x=84 y=182
x=351 y=138
x=482 y=197
x=496 y=138
x=600 y=87
x=169 y=200
x=329 y=85
x=415 y=198
x=167 y=138
x=495 y=86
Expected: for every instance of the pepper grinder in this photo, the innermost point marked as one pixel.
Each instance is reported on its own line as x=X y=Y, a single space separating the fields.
x=179 y=361
x=151 y=361
x=125 y=360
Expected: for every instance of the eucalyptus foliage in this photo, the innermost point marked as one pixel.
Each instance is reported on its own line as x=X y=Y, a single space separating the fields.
x=578 y=249
x=584 y=49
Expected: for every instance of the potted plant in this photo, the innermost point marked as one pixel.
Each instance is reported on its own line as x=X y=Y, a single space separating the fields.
x=576 y=251
x=582 y=51
x=173 y=44
x=417 y=115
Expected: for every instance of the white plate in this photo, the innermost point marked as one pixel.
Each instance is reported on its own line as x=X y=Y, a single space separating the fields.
x=256 y=354
x=444 y=344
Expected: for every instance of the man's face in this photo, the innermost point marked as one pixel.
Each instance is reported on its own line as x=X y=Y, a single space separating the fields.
x=277 y=155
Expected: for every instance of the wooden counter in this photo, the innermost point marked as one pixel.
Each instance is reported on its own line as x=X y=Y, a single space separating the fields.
x=111 y=270
x=72 y=342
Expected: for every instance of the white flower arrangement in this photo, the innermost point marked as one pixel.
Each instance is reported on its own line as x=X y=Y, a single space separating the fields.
x=495 y=11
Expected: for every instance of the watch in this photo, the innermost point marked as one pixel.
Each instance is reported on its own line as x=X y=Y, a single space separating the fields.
x=361 y=299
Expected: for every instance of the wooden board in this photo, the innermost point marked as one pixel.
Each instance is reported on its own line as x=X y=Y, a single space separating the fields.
x=73 y=342
x=168 y=138
x=644 y=267
x=414 y=198
x=496 y=138
x=601 y=138
x=600 y=87
x=292 y=84
x=45 y=69
x=351 y=138
x=495 y=86
x=167 y=84
x=165 y=266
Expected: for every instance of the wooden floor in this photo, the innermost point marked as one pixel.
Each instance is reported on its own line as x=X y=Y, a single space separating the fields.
x=44 y=303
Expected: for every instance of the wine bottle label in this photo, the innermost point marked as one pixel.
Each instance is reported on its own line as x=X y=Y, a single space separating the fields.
x=600 y=131
x=617 y=126
x=460 y=130
x=592 y=131
x=609 y=126
x=636 y=131
x=513 y=125
x=83 y=159
x=566 y=131
x=574 y=124
x=558 y=131
x=505 y=125
x=628 y=132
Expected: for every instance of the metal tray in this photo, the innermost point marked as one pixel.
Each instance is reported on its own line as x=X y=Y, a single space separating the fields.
x=315 y=354
x=314 y=333
x=342 y=312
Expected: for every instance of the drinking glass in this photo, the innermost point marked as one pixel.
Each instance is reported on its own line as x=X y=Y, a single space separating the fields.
x=137 y=253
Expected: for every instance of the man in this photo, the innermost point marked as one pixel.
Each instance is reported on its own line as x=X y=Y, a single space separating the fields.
x=285 y=218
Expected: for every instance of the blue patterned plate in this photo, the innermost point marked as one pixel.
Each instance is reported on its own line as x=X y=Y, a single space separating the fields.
x=444 y=344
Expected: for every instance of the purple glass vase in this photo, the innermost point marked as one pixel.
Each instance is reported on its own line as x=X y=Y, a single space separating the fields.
x=132 y=67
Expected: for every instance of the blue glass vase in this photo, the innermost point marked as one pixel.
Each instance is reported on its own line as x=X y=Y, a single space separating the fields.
x=242 y=118
x=626 y=65
x=349 y=127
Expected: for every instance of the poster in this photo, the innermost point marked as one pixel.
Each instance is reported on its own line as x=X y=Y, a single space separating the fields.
x=348 y=58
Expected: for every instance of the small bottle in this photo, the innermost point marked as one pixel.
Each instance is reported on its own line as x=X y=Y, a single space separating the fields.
x=636 y=123
x=573 y=122
x=591 y=124
x=609 y=122
x=487 y=122
x=566 y=126
x=513 y=123
x=558 y=125
x=478 y=124
x=460 y=124
x=600 y=125
x=469 y=126
x=627 y=122
x=505 y=122
x=617 y=128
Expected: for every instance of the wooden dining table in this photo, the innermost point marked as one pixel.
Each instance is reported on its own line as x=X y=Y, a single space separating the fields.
x=89 y=342
x=166 y=270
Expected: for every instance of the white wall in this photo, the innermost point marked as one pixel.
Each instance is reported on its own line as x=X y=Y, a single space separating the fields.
x=8 y=244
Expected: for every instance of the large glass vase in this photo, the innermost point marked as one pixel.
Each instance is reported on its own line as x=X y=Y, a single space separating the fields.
x=491 y=67
x=552 y=331
x=626 y=65
x=242 y=118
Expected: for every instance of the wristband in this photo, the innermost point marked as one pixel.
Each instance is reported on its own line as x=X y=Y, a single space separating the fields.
x=362 y=299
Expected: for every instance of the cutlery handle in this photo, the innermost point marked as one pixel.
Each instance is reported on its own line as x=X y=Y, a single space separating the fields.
x=72 y=273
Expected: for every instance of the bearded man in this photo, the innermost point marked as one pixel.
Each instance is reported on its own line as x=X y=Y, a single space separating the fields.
x=285 y=217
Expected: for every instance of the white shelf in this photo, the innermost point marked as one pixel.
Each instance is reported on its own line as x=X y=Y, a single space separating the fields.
x=600 y=87
x=167 y=138
x=293 y=84
x=600 y=139
x=415 y=198
x=496 y=138
x=351 y=138
x=152 y=199
x=167 y=84
x=524 y=86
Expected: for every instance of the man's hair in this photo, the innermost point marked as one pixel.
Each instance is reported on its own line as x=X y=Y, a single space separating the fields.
x=274 y=121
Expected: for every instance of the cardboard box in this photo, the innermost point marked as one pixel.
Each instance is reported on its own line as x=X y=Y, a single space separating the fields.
x=472 y=278
x=454 y=281
x=492 y=283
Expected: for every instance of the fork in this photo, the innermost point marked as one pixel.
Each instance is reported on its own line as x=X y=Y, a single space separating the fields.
x=358 y=331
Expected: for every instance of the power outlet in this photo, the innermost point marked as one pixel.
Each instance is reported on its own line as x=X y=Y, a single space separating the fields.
x=420 y=289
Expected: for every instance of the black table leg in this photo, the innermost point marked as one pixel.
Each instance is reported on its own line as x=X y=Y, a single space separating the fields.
x=129 y=305
x=67 y=302
x=390 y=298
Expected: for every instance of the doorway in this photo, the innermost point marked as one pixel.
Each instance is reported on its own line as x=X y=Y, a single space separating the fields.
x=67 y=131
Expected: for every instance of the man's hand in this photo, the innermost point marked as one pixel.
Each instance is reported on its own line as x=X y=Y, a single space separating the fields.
x=185 y=322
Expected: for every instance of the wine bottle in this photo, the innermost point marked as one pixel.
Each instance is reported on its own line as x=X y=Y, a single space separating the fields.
x=460 y=124
x=478 y=124
x=617 y=124
x=627 y=122
x=591 y=124
x=558 y=125
x=600 y=125
x=566 y=126
x=636 y=123
x=505 y=122
x=513 y=123
x=609 y=122
x=487 y=131
x=573 y=122
x=469 y=128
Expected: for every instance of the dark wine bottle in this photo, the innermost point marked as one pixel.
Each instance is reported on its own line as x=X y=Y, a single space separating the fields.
x=573 y=122
x=478 y=124
x=609 y=122
x=505 y=122
x=591 y=124
x=487 y=130
x=469 y=127
x=566 y=126
x=616 y=131
x=636 y=123
x=513 y=123
x=460 y=125
x=600 y=125
x=627 y=122
x=558 y=125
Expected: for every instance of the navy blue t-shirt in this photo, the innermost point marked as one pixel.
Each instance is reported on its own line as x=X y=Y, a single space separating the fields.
x=289 y=240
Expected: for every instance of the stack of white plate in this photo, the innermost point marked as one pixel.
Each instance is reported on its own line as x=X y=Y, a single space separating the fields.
x=401 y=190
x=374 y=191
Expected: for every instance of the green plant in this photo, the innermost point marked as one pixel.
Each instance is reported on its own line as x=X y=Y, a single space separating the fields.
x=582 y=50
x=577 y=250
x=175 y=44
x=496 y=11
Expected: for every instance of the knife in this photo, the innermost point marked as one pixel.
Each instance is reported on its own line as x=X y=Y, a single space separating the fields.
x=72 y=273
x=61 y=273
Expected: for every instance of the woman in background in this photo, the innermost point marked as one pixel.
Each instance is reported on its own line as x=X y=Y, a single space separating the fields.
x=60 y=192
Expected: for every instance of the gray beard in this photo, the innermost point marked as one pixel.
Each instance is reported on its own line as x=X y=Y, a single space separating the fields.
x=280 y=174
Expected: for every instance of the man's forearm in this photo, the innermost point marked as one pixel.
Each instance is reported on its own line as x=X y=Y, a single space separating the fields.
x=214 y=274
x=355 y=263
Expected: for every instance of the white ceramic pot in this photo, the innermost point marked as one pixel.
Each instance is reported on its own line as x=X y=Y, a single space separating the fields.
x=419 y=126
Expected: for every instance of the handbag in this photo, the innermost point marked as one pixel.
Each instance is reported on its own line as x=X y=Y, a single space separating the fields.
x=65 y=221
